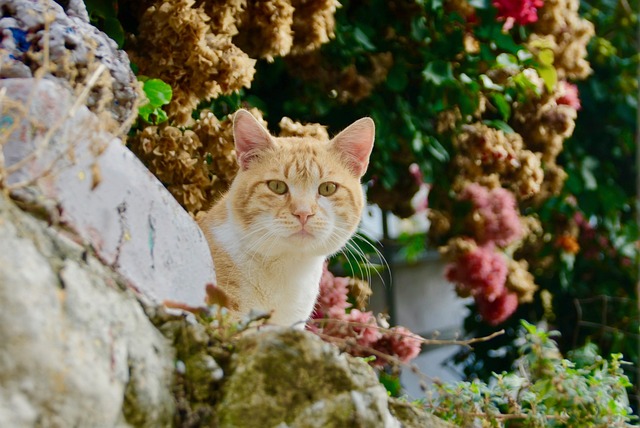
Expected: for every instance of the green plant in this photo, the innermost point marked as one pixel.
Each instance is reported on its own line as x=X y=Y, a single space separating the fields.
x=157 y=94
x=104 y=15
x=543 y=390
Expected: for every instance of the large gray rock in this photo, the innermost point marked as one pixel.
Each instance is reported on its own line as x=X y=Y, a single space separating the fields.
x=77 y=347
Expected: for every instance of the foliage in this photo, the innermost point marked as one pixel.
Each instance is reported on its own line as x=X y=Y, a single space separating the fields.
x=543 y=390
x=158 y=94
x=104 y=15
x=588 y=265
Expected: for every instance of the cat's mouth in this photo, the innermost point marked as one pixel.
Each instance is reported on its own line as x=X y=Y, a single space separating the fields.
x=303 y=233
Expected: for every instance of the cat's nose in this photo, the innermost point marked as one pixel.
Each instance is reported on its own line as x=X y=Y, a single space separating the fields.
x=303 y=215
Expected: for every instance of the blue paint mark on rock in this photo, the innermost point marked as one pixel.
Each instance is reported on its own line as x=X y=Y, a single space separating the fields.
x=20 y=37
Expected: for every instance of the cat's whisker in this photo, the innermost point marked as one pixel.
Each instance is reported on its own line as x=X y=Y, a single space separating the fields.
x=366 y=240
x=364 y=264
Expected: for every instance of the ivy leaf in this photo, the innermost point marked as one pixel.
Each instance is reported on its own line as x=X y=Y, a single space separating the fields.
x=500 y=125
x=438 y=72
x=363 y=39
x=158 y=92
x=501 y=103
x=114 y=29
x=546 y=57
x=550 y=77
x=488 y=83
x=437 y=150
x=545 y=68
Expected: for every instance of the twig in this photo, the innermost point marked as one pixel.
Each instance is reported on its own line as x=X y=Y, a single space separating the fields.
x=422 y=340
x=47 y=137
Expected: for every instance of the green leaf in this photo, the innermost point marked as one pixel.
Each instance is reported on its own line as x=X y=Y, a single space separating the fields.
x=397 y=79
x=586 y=171
x=480 y=4
x=363 y=39
x=488 y=83
x=545 y=57
x=391 y=384
x=438 y=72
x=500 y=125
x=507 y=60
x=501 y=103
x=550 y=77
x=437 y=150
x=101 y=8
x=114 y=29
x=145 y=111
x=158 y=92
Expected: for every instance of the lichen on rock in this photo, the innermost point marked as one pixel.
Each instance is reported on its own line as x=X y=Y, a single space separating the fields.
x=293 y=377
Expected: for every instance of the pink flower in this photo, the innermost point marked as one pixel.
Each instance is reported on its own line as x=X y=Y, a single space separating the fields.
x=333 y=295
x=520 y=12
x=399 y=342
x=361 y=326
x=481 y=272
x=568 y=95
x=497 y=212
x=498 y=310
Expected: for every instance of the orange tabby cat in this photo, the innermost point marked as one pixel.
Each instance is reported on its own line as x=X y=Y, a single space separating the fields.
x=295 y=201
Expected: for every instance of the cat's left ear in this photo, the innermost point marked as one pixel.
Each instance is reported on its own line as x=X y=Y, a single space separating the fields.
x=355 y=143
x=250 y=137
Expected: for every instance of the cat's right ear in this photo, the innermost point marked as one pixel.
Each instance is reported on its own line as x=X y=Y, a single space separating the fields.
x=250 y=137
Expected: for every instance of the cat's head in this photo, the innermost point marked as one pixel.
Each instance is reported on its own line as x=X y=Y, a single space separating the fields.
x=298 y=194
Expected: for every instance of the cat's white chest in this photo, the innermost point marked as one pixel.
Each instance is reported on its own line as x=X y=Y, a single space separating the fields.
x=284 y=284
x=288 y=288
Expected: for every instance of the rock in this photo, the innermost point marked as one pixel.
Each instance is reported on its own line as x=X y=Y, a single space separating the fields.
x=103 y=193
x=77 y=347
x=294 y=379
x=414 y=417
x=75 y=48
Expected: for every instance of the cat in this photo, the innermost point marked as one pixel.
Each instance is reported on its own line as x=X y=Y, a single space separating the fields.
x=294 y=202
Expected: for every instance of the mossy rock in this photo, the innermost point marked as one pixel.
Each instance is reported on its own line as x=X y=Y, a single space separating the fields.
x=292 y=378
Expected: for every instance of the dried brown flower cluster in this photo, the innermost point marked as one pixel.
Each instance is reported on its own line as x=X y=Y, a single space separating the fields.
x=205 y=48
x=560 y=28
x=270 y=28
x=178 y=44
x=544 y=125
x=313 y=24
x=492 y=158
x=265 y=29
x=196 y=165
x=289 y=128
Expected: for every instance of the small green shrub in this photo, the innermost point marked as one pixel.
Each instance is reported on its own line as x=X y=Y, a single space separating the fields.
x=543 y=390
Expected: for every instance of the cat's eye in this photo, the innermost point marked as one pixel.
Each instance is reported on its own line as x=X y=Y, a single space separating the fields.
x=327 y=189
x=277 y=186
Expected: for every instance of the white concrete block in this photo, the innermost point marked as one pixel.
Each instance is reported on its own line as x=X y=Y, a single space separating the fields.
x=129 y=218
